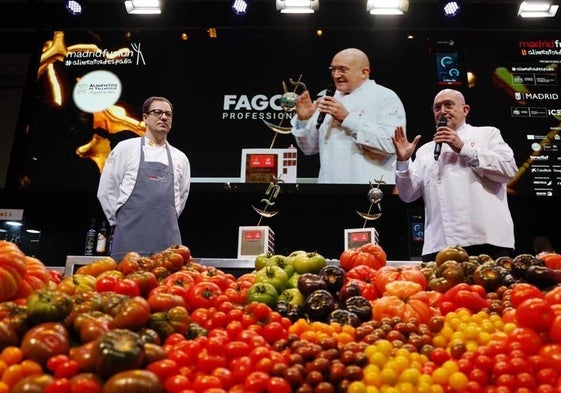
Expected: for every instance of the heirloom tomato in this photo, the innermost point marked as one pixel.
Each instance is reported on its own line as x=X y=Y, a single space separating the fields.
x=132 y=313
x=98 y=266
x=263 y=292
x=37 y=277
x=165 y=323
x=451 y=253
x=307 y=262
x=12 y=269
x=274 y=275
x=76 y=283
x=48 y=306
x=170 y=260
x=387 y=274
x=146 y=281
x=45 y=340
x=134 y=381
x=405 y=300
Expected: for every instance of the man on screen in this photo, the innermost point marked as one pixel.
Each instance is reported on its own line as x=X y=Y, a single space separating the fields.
x=350 y=127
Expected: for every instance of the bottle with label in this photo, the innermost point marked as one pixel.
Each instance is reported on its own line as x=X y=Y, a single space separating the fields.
x=100 y=247
x=90 y=239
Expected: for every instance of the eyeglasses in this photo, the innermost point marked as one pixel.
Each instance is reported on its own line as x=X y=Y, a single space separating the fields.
x=340 y=70
x=446 y=104
x=158 y=113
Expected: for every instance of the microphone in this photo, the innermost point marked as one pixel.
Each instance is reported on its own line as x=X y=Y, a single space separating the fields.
x=328 y=92
x=438 y=146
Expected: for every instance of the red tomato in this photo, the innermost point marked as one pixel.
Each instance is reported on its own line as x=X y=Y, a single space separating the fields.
x=522 y=291
x=552 y=355
x=67 y=369
x=128 y=287
x=256 y=381
x=177 y=384
x=524 y=339
x=203 y=294
x=278 y=385
x=225 y=376
x=536 y=314
x=164 y=368
x=106 y=283
x=59 y=385
x=204 y=382
x=274 y=331
x=86 y=383
x=552 y=260
x=555 y=331
x=240 y=367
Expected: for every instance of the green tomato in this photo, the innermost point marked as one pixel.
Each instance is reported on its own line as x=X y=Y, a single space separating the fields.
x=284 y=262
x=292 y=296
x=263 y=292
x=272 y=274
x=262 y=260
x=307 y=262
x=293 y=281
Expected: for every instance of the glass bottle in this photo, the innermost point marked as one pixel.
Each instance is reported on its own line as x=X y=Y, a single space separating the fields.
x=89 y=247
x=100 y=247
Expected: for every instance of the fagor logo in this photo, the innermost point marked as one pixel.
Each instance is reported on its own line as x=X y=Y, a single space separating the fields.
x=259 y=106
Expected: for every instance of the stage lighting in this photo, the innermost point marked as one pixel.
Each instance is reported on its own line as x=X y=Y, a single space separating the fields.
x=387 y=7
x=74 y=7
x=450 y=8
x=297 y=6
x=239 y=7
x=537 y=9
x=143 y=6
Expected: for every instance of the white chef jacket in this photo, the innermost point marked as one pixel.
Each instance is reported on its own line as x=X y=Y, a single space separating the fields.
x=360 y=149
x=118 y=177
x=465 y=194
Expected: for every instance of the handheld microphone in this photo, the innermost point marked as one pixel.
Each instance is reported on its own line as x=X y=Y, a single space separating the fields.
x=438 y=146
x=328 y=92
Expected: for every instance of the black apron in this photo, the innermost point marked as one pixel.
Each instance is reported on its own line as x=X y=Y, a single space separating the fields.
x=147 y=221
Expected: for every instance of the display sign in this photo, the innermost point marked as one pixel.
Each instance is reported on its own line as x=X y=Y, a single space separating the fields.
x=357 y=237
x=255 y=240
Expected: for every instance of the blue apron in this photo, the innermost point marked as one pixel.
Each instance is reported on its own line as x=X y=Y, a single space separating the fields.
x=147 y=221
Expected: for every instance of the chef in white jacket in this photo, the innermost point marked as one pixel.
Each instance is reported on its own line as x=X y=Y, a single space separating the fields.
x=144 y=186
x=463 y=181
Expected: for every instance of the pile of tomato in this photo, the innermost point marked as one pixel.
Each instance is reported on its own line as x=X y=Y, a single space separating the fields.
x=169 y=324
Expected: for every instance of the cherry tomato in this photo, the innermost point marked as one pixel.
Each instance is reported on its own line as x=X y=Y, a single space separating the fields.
x=256 y=381
x=240 y=367
x=164 y=368
x=278 y=385
x=177 y=383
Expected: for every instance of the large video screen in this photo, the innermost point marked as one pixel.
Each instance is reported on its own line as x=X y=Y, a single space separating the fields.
x=227 y=87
